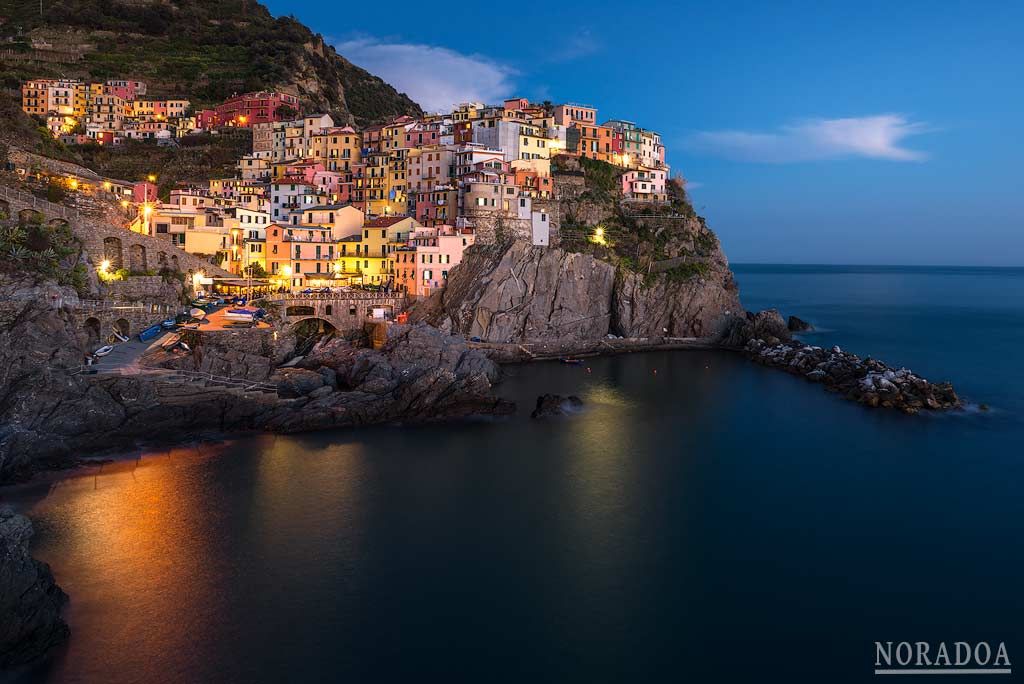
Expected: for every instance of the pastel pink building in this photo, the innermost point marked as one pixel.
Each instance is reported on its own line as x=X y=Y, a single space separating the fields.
x=422 y=267
x=126 y=90
x=645 y=184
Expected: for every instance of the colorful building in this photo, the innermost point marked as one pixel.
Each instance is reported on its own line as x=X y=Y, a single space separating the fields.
x=248 y=109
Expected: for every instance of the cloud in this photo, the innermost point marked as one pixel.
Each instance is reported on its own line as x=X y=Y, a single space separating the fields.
x=435 y=77
x=578 y=45
x=872 y=137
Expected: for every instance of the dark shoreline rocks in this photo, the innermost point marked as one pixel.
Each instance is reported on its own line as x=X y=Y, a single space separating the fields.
x=30 y=600
x=556 y=405
x=867 y=381
x=797 y=324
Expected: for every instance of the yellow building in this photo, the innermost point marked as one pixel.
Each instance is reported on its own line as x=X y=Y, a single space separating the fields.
x=343 y=148
x=367 y=257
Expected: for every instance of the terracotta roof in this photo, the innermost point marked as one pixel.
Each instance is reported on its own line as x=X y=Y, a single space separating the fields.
x=385 y=221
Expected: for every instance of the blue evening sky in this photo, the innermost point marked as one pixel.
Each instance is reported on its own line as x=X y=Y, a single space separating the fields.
x=853 y=132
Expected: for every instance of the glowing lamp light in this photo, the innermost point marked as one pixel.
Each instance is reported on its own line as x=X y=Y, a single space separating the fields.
x=287 y=271
x=147 y=210
x=151 y=178
x=104 y=265
x=124 y=204
x=106 y=185
x=73 y=183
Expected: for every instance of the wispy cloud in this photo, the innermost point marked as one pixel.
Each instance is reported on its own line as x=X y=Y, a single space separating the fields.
x=576 y=46
x=872 y=137
x=435 y=77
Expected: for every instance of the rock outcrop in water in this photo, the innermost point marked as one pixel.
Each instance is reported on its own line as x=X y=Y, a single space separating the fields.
x=30 y=600
x=764 y=338
x=556 y=405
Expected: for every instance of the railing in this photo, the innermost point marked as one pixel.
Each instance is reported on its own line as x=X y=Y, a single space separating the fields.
x=108 y=305
x=45 y=206
x=210 y=378
x=169 y=375
x=341 y=296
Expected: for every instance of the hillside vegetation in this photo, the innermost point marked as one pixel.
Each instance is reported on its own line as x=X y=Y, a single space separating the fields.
x=199 y=49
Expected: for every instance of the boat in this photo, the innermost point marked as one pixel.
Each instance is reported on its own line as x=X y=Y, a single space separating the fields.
x=120 y=336
x=197 y=313
x=150 y=332
x=103 y=351
x=247 y=315
x=169 y=323
x=573 y=362
x=185 y=347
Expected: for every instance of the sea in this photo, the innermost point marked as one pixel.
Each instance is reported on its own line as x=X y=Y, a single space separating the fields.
x=701 y=519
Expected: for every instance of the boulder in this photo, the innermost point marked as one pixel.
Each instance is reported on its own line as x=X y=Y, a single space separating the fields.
x=296 y=382
x=767 y=325
x=795 y=324
x=556 y=405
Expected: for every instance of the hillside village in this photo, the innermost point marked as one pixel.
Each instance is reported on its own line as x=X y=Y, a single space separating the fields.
x=316 y=205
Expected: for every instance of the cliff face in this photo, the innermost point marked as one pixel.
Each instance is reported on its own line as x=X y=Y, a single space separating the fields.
x=30 y=600
x=631 y=271
x=525 y=293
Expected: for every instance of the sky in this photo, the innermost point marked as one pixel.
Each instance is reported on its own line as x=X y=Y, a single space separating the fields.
x=818 y=132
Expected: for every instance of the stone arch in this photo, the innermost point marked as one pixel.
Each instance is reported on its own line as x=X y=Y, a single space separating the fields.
x=136 y=258
x=26 y=216
x=92 y=330
x=112 y=252
x=299 y=310
x=59 y=223
x=122 y=326
x=309 y=327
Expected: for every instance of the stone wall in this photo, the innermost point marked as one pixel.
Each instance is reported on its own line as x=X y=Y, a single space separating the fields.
x=150 y=289
x=107 y=241
x=346 y=314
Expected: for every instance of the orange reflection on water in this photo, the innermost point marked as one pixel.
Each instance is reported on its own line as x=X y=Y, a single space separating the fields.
x=140 y=536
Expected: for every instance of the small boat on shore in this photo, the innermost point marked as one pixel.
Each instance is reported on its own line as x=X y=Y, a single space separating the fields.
x=197 y=313
x=104 y=350
x=120 y=336
x=571 y=362
x=246 y=315
x=168 y=323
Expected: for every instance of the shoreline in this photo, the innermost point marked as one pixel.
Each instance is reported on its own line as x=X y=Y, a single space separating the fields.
x=99 y=459
x=503 y=354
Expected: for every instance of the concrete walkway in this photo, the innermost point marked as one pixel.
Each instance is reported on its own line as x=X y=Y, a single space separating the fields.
x=124 y=360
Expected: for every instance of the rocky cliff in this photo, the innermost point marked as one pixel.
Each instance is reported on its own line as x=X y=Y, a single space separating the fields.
x=30 y=600
x=49 y=417
x=630 y=270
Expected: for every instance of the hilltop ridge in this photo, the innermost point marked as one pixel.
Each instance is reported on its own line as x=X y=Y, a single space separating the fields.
x=207 y=50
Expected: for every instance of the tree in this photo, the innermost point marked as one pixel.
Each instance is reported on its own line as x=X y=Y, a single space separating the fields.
x=286 y=112
x=256 y=271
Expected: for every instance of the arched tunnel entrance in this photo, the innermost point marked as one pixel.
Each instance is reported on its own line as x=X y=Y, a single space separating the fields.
x=92 y=331
x=310 y=331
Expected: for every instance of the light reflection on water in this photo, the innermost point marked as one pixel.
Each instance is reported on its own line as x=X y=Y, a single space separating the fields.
x=710 y=506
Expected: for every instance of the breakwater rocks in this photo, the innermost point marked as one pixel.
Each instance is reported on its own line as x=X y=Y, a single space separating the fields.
x=30 y=600
x=867 y=381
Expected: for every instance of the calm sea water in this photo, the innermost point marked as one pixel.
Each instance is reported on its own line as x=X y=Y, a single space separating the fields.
x=704 y=519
